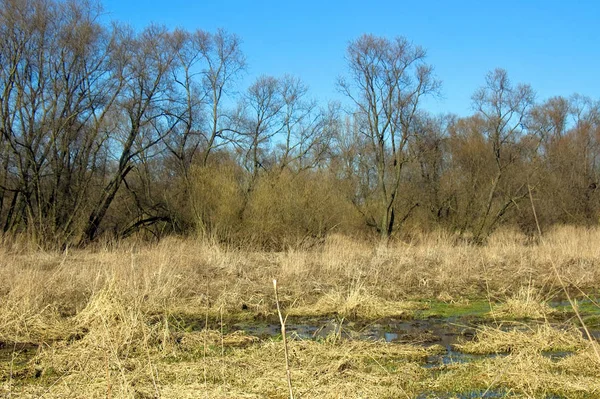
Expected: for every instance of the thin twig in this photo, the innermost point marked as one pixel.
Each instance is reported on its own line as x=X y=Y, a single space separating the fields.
x=487 y=289
x=12 y=361
x=108 y=384
x=222 y=345
x=537 y=223
x=204 y=349
x=150 y=366
x=287 y=359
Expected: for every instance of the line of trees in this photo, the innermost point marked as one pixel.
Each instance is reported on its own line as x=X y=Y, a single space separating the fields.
x=105 y=131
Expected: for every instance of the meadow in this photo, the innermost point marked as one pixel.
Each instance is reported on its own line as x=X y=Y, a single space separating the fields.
x=187 y=318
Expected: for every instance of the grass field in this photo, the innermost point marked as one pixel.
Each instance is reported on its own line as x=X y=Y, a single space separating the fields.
x=135 y=320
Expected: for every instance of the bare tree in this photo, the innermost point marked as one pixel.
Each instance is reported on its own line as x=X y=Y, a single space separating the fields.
x=387 y=81
x=307 y=128
x=143 y=115
x=429 y=149
x=570 y=153
x=260 y=119
x=188 y=99
x=207 y=66
x=504 y=110
x=225 y=62
x=58 y=87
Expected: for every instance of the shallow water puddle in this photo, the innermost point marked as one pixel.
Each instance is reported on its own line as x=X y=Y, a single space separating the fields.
x=444 y=332
x=425 y=332
x=441 y=331
x=488 y=394
x=452 y=357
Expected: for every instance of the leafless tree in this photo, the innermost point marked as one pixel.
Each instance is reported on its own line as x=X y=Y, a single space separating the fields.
x=207 y=66
x=387 y=80
x=307 y=128
x=570 y=156
x=260 y=118
x=504 y=109
x=143 y=116
x=58 y=87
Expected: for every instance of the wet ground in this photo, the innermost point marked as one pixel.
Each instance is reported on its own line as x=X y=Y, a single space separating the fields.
x=440 y=331
x=14 y=357
x=433 y=326
x=488 y=394
x=443 y=332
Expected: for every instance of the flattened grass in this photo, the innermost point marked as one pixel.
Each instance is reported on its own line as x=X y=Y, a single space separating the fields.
x=540 y=338
x=524 y=374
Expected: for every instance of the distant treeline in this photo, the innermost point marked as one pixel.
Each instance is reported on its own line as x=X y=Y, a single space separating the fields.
x=109 y=132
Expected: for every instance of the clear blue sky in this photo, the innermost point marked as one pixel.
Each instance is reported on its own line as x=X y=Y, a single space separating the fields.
x=552 y=45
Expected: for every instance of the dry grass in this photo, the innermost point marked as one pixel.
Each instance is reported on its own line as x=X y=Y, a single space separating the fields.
x=251 y=369
x=523 y=374
x=527 y=370
x=113 y=321
x=179 y=274
x=539 y=339
x=527 y=303
x=355 y=303
x=320 y=370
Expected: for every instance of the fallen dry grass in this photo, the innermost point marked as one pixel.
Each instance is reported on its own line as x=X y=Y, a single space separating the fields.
x=541 y=338
x=522 y=374
x=114 y=321
x=208 y=364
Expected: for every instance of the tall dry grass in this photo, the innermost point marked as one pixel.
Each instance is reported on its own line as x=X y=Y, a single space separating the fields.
x=106 y=317
x=38 y=288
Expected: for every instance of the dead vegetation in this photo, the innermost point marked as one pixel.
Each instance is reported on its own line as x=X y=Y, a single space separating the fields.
x=542 y=338
x=115 y=321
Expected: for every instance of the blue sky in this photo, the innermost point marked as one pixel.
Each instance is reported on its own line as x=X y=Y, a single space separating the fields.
x=552 y=45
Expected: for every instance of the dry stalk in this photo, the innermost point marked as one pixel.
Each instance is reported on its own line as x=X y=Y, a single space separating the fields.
x=285 y=346
x=205 y=343
x=487 y=292
x=204 y=350
x=12 y=362
x=150 y=365
x=222 y=345
x=108 y=384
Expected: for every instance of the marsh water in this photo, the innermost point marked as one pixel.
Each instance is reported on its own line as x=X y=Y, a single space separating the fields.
x=444 y=332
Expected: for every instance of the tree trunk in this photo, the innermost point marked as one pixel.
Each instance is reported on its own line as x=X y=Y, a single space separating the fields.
x=108 y=195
